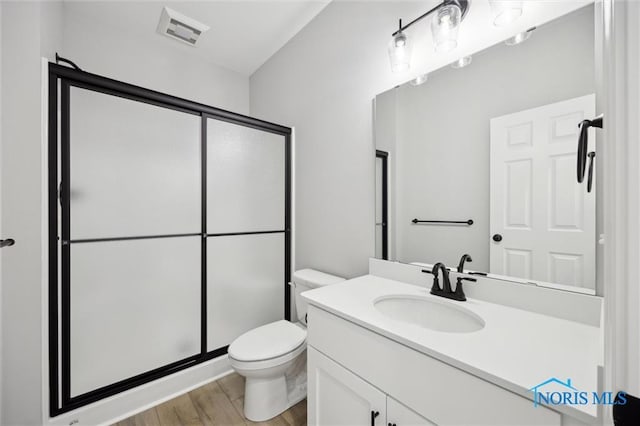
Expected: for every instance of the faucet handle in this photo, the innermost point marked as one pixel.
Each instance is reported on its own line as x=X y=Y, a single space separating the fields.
x=436 y=285
x=459 y=293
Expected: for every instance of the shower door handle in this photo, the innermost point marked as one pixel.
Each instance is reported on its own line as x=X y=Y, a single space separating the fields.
x=7 y=243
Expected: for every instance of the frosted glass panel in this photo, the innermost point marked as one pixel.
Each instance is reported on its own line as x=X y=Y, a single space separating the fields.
x=135 y=168
x=135 y=306
x=246 y=177
x=245 y=285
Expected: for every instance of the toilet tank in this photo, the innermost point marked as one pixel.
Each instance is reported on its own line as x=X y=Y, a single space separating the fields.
x=308 y=279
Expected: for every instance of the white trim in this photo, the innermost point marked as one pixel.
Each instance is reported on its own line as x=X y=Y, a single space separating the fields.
x=621 y=197
x=292 y=294
x=1 y=288
x=123 y=405
x=44 y=302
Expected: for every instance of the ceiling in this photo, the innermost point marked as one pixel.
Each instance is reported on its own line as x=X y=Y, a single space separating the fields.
x=243 y=34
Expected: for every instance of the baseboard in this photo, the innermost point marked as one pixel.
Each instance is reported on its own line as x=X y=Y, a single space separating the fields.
x=118 y=407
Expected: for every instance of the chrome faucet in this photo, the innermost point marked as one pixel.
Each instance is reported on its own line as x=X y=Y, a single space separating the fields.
x=445 y=290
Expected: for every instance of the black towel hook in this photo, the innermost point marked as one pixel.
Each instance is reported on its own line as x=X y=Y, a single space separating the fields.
x=583 y=144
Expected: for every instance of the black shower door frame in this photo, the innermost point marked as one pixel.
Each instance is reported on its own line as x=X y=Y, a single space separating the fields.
x=384 y=158
x=61 y=79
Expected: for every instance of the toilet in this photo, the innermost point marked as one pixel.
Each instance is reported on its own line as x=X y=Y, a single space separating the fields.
x=273 y=357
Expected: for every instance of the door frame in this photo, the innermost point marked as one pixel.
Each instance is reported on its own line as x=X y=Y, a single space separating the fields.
x=621 y=206
x=60 y=400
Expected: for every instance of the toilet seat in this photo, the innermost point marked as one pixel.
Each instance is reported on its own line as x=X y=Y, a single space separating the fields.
x=267 y=363
x=269 y=345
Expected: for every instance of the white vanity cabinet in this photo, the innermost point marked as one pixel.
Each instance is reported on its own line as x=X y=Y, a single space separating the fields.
x=399 y=415
x=339 y=396
x=354 y=373
x=342 y=398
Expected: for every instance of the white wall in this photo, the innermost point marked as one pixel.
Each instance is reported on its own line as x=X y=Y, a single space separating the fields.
x=443 y=138
x=30 y=30
x=323 y=82
x=22 y=290
x=152 y=62
x=385 y=120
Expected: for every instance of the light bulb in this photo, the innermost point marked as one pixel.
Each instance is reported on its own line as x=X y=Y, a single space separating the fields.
x=400 y=52
x=505 y=11
x=519 y=38
x=462 y=62
x=444 y=27
x=421 y=79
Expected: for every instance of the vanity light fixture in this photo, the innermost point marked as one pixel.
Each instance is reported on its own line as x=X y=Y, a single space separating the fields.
x=520 y=37
x=444 y=27
x=505 y=11
x=400 y=51
x=419 y=80
x=462 y=62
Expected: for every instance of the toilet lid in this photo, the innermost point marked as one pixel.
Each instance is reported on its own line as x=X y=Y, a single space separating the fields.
x=268 y=341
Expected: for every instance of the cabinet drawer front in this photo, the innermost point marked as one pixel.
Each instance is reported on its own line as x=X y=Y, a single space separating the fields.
x=443 y=394
x=336 y=396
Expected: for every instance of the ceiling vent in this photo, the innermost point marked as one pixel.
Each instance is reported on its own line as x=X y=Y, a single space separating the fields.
x=180 y=27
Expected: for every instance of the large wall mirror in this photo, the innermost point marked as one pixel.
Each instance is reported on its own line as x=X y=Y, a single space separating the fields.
x=482 y=161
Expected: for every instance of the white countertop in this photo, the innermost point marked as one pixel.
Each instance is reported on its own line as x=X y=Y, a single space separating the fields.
x=516 y=349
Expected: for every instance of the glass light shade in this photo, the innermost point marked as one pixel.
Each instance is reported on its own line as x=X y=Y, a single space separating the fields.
x=462 y=62
x=444 y=27
x=400 y=52
x=518 y=38
x=505 y=11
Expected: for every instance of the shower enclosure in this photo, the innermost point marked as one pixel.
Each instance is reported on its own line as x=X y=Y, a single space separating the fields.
x=169 y=233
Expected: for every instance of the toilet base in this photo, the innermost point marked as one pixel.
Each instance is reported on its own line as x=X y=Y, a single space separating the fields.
x=264 y=399
x=271 y=391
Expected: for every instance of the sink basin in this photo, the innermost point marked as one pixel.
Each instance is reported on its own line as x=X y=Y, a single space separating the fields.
x=429 y=312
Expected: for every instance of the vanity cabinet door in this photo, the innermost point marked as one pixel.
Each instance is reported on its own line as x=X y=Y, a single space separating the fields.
x=337 y=397
x=399 y=415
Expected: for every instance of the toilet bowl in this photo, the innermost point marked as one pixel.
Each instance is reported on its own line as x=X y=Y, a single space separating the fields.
x=272 y=357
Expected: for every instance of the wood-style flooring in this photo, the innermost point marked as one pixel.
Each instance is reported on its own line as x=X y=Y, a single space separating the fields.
x=218 y=403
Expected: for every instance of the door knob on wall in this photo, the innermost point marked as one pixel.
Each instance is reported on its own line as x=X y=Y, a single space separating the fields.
x=7 y=243
x=497 y=238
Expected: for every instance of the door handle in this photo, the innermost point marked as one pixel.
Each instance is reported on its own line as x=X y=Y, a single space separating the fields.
x=591 y=156
x=374 y=414
x=497 y=238
x=7 y=243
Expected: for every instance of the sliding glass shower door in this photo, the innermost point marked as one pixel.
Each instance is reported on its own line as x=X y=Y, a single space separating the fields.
x=169 y=233
x=245 y=229
x=134 y=185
